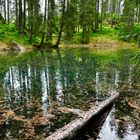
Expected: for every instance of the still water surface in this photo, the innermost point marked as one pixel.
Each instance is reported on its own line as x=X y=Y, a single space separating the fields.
x=35 y=86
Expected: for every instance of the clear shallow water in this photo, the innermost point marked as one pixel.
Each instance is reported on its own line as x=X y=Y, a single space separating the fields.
x=113 y=129
x=33 y=87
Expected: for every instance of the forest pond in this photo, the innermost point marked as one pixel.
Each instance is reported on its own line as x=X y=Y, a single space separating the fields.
x=41 y=92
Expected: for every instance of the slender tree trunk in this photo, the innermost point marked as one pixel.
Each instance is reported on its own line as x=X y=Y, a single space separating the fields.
x=59 y=36
x=61 y=25
x=52 y=15
x=5 y=10
x=84 y=33
x=48 y=22
x=111 y=12
x=43 y=34
x=0 y=6
x=36 y=12
x=118 y=10
x=20 y=17
x=24 y=24
x=78 y=30
x=42 y=41
x=101 y=16
x=30 y=18
x=96 y=15
x=8 y=6
x=98 y=6
x=95 y=22
x=107 y=10
x=17 y=18
x=139 y=13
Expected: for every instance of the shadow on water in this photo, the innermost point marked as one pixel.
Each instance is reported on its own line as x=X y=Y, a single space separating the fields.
x=38 y=91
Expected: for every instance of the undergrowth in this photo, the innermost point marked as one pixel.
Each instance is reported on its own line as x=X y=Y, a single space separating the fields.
x=10 y=33
x=106 y=34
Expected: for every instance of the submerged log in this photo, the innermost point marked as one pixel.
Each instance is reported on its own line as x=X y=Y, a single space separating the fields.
x=70 y=130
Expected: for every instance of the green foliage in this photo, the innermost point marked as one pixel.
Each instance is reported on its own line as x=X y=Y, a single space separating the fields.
x=85 y=39
x=132 y=36
x=137 y=57
x=106 y=30
x=10 y=33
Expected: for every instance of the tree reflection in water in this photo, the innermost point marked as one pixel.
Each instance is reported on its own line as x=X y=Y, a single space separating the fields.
x=115 y=129
x=42 y=83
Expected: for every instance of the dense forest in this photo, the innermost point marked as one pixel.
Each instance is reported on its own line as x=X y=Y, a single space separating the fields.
x=51 y=20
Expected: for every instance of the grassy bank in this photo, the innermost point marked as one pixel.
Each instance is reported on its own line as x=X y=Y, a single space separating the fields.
x=10 y=33
x=107 y=37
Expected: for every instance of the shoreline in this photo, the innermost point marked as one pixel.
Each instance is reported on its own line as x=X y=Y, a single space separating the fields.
x=96 y=43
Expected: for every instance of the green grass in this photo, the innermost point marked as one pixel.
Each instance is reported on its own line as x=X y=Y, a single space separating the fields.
x=10 y=33
x=105 y=31
x=131 y=36
x=107 y=34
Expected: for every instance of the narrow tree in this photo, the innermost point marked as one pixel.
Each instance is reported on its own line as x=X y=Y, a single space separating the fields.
x=17 y=17
x=20 y=17
x=102 y=3
x=8 y=10
x=50 y=21
x=30 y=18
x=61 y=24
x=5 y=13
x=44 y=23
x=24 y=15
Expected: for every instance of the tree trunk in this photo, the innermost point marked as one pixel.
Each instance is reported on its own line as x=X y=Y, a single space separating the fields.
x=0 y=6
x=97 y=15
x=59 y=36
x=43 y=35
x=30 y=18
x=20 y=17
x=118 y=10
x=42 y=41
x=61 y=25
x=101 y=16
x=50 y=21
x=24 y=24
x=36 y=12
x=8 y=6
x=139 y=13
x=17 y=18
x=5 y=10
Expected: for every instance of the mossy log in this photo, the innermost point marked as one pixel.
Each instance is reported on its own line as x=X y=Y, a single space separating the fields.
x=71 y=129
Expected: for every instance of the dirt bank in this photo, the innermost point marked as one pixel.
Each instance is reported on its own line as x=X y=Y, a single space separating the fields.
x=5 y=48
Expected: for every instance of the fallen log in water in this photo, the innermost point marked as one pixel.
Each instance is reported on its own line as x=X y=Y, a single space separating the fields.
x=70 y=130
